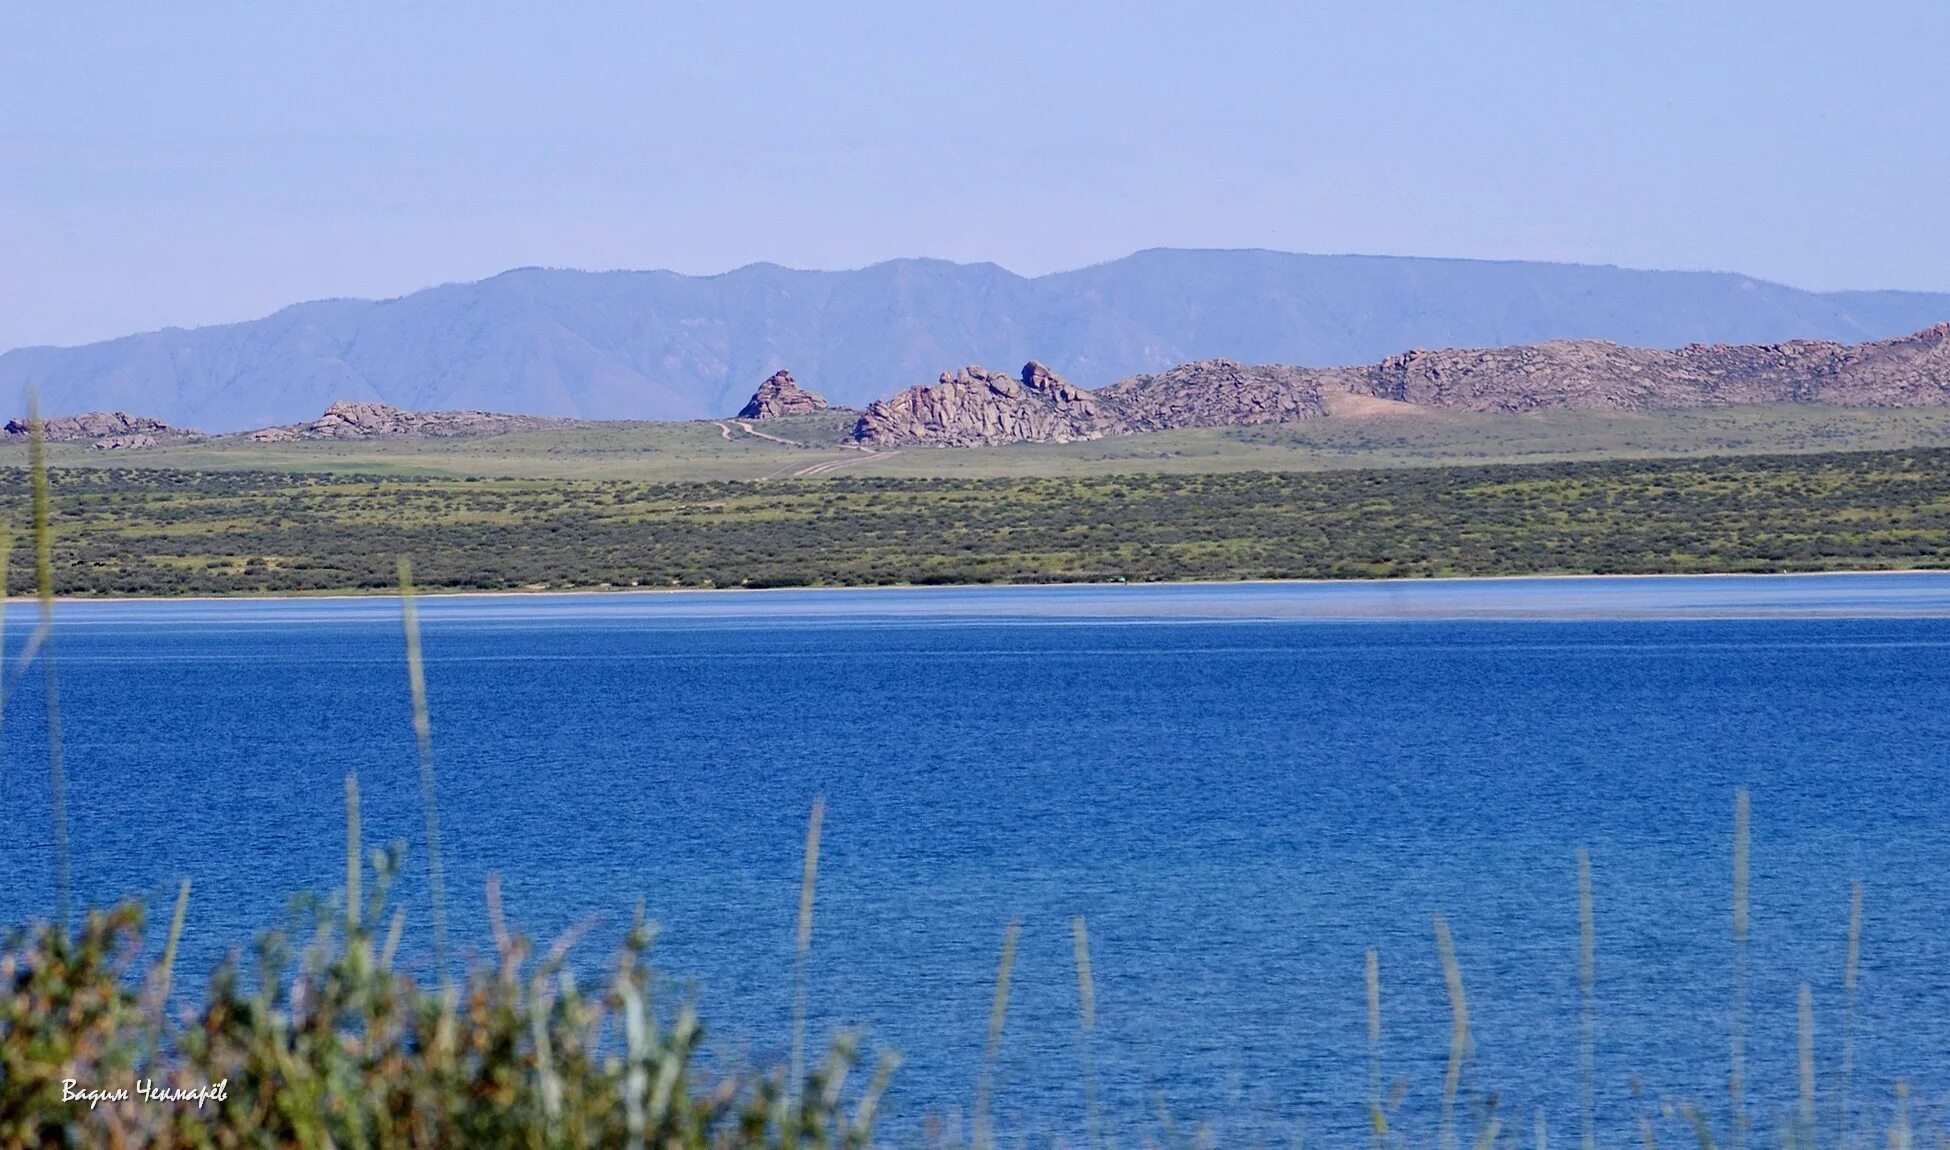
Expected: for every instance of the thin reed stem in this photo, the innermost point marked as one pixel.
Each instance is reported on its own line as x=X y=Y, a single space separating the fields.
x=1736 y=1079
x=57 y=775
x=354 y=868
x=998 y=1012
x=1459 y=1040
x=1899 y=1128
x=808 y=879
x=1804 y=1047
x=1851 y=967
x=1588 y=1006
x=1086 y=1025
x=394 y=932
x=166 y=969
x=1377 y=1117
x=6 y=573
x=423 y=738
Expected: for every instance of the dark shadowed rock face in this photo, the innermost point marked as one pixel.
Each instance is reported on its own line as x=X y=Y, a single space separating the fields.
x=977 y=407
x=378 y=421
x=781 y=395
x=105 y=430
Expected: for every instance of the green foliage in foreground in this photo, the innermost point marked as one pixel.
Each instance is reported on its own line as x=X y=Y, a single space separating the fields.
x=337 y=1048
x=150 y=532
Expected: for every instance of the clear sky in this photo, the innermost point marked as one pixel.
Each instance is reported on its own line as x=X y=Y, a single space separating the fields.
x=197 y=162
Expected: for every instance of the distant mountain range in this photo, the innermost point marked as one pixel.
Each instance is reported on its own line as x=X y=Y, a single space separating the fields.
x=658 y=345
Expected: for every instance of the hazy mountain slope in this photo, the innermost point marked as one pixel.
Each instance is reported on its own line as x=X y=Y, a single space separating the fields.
x=662 y=345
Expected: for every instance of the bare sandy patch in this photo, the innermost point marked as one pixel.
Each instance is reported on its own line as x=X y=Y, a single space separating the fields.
x=1349 y=405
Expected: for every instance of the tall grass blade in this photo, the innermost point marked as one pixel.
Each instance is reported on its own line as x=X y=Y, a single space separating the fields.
x=423 y=737
x=166 y=969
x=1086 y=1025
x=57 y=776
x=1459 y=1030
x=802 y=949
x=1543 y=1132
x=1736 y=1078
x=1851 y=966
x=6 y=589
x=1588 y=1006
x=861 y=1134
x=636 y=1040
x=998 y=1012
x=1702 y=1132
x=354 y=866
x=550 y=1083
x=1899 y=1129
x=1804 y=1047
x=1377 y=1117
x=394 y=932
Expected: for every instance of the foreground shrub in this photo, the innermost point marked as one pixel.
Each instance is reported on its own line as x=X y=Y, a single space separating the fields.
x=335 y=1046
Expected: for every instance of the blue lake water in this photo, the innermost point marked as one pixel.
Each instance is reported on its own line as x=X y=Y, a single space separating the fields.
x=1241 y=787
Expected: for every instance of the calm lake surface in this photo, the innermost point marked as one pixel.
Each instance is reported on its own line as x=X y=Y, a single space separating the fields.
x=1242 y=788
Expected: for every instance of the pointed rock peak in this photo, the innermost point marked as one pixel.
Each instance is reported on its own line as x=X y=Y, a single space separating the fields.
x=779 y=395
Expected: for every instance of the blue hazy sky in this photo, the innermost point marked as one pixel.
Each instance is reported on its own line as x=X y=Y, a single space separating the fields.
x=189 y=163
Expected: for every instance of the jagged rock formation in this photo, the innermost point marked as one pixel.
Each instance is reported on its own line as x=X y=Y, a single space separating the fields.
x=975 y=406
x=104 y=430
x=345 y=420
x=781 y=395
x=979 y=407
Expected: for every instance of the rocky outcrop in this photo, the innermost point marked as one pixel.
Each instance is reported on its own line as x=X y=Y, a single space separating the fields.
x=1912 y=371
x=104 y=430
x=977 y=407
x=781 y=395
x=1217 y=393
x=974 y=406
x=345 y=420
x=1585 y=374
x=1909 y=371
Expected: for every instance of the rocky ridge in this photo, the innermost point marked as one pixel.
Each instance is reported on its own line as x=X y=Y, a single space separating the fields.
x=104 y=430
x=346 y=420
x=781 y=395
x=1216 y=393
x=1909 y=371
x=975 y=406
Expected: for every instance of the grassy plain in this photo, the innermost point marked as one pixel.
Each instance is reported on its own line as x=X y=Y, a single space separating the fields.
x=160 y=532
x=700 y=451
